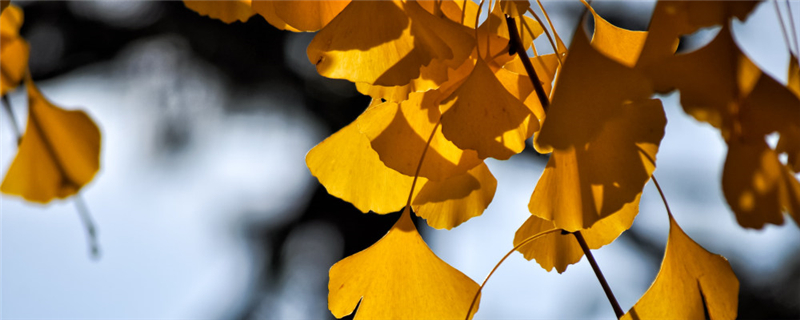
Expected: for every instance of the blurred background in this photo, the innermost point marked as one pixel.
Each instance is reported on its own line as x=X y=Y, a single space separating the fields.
x=206 y=210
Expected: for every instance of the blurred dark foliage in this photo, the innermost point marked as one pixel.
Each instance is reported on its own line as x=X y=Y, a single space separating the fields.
x=252 y=52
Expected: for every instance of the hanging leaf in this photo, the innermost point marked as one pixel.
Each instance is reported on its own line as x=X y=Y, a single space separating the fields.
x=399 y=277
x=449 y=203
x=692 y=282
x=227 y=10
x=13 y=50
x=514 y=8
x=482 y=115
x=388 y=51
x=309 y=15
x=561 y=250
x=617 y=43
x=58 y=154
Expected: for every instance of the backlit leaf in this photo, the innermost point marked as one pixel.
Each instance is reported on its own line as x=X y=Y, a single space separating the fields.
x=58 y=154
x=514 y=8
x=266 y=9
x=227 y=10
x=386 y=51
x=13 y=50
x=446 y=204
x=350 y=170
x=692 y=282
x=561 y=250
x=399 y=133
x=482 y=115
x=620 y=44
x=308 y=15
x=399 y=277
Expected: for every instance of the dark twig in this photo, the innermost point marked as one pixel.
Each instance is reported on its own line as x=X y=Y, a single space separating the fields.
x=519 y=48
x=599 y=274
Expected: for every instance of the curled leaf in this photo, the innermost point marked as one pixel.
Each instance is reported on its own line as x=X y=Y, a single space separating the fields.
x=692 y=282
x=399 y=277
x=58 y=154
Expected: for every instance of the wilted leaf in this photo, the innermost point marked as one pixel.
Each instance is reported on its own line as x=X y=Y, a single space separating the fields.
x=308 y=15
x=482 y=115
x=386 y=51
x=227 y=10
x=692 y=282
x=58 y=154
x=561 y=250
x=399 y=134
x=13 y=50
x=446 y=204
x=399 y=277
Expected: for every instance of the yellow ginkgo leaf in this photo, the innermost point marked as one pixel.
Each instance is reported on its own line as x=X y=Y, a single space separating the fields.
x=692 y=282
x=13 y=50
x=399 y=277
x=458 y=11
x=515 y=8
x=449 y=203
x=226 y=10
x=617 y=43
x=350 y=170
x=561 y=250
x=482 y=115
x=671 y=19
x=266 y=9
x=546 y=67
x=58 y=154
x=388 y=51
x=590 y=87
x=599 y=177
x=310 y=15
x=430 y=77
x=494 y=33
x=794 y=75
x=399 y=134
x=757 y=186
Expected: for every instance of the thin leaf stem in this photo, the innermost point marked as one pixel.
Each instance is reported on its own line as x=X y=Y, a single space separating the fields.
x=794 y=29
x=783 y=26
x=606 y=288
x=524 y=242
x=419 y=165
x=12 y=118
x=519 y=48
x=663 y=197
x=88 y=225
x=547 y=33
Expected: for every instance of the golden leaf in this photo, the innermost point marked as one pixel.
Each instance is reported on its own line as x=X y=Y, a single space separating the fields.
x=449 y=203
x=691 y=283
x=13 y=50
x=514 y=8
x=482 y=115
x=308 y=15
x=58 y=154
x=617 y=43
x=399 y=134
x=561 y=250
x=399 y=277
x=388 y=51
x=228 y=10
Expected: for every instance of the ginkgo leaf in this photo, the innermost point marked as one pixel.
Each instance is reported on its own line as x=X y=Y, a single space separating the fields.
x=617 y=43
x=671 y=19
x=350 y=170
x=692 y=282
x=514 y=8
x=388 y=51
x=561 y=250
x=399 y=134
x=546 y=67
x=449 y=203
x=430 y=77
x=309 y=15
x=266 y=9
x=482 y=115
x=591 y=87
x=226 y=10
x=458 y=11
x=399 y=277
x=13 y=50
x=596 y=179
x=757 y=186
x=794 y=75
x=58 y=154
x=494 y=33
